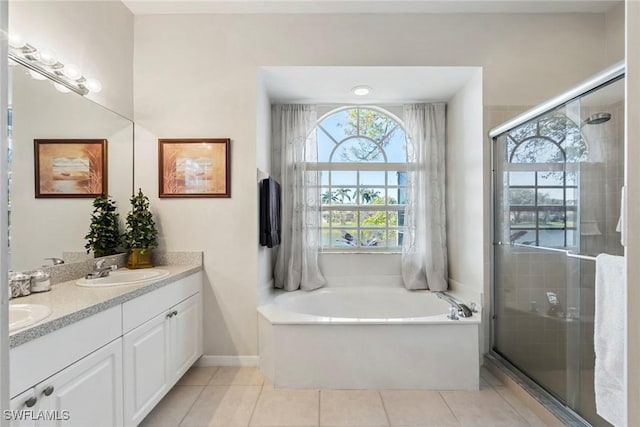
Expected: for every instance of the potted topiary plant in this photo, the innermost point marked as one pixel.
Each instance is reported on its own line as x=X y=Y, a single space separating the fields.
x=141 y=235
x=103 y=237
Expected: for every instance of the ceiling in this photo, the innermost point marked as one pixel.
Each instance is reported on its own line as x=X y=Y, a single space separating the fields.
x=389 y=85
x=150 y=7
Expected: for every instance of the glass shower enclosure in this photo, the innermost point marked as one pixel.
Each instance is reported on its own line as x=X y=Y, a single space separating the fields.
x=557 y=190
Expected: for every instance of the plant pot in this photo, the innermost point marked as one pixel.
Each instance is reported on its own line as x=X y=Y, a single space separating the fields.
x=139 y=259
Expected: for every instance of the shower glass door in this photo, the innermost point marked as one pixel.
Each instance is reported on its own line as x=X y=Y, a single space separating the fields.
x=557 y=181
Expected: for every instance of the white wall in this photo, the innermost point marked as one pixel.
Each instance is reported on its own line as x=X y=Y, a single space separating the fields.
x=632 y=182
x=466 y=196
x=95 y=35
x=197 y=76
x=263 y=163
x=614 y=32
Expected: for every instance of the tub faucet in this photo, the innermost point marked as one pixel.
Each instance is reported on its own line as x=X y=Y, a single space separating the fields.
x=99 y=270
x=462 y=310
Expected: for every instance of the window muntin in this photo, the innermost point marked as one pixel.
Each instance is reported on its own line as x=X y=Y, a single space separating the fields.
x=542 y=187
x=362 y=167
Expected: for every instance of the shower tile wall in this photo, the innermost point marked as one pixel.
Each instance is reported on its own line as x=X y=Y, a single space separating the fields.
x=532 y=337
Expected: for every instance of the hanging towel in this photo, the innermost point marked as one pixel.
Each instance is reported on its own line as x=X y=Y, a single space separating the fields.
x=269 y=213
x=609 y=338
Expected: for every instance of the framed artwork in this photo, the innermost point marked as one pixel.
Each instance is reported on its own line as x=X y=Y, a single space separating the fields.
x=70 y=168
x=194 y=167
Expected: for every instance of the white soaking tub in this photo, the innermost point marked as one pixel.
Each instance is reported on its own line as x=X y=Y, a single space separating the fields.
x=367 y=338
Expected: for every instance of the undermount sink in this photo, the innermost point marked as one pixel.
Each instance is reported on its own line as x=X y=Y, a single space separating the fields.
x=124 y=277
x=23 y=315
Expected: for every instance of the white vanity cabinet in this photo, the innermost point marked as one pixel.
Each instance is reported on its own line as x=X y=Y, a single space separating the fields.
x=20 y=405
x=146 y=368
x=111 y=368
x=159 y=351
x=87 y=393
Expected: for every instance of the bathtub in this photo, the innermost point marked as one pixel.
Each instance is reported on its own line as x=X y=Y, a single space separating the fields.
x=367 y=338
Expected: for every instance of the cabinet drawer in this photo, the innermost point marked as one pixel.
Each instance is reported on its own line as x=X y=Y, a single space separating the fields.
x=141 y=309
x=37 y=360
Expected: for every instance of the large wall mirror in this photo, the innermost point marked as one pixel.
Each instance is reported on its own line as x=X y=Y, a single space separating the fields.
x=50 y=227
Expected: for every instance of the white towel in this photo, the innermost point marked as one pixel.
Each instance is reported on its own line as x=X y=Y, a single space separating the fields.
x=609 y=338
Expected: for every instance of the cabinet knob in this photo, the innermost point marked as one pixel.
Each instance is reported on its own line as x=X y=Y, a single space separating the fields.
x=174 y=312
x=168 y=315
x=30 y=402
x=48 y=390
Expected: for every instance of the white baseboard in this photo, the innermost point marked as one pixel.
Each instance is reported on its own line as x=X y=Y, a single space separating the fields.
x=228 y=361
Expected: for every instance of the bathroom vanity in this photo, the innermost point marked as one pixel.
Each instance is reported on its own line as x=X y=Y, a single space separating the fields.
x=106 y=356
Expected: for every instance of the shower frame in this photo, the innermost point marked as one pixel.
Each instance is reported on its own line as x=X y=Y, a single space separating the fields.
x=547 y=399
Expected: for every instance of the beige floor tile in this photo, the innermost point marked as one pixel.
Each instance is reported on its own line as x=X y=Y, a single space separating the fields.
x=198 y=375
x=482 y=408
x=520 y=407
x=351 y=408
x=232 y=375
x=417 y=408
x=223 y=406
x=490 y=378
x=287 y=408
x=173 y=407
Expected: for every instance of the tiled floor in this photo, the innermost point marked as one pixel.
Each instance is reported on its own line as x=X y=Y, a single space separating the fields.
x=230 y=397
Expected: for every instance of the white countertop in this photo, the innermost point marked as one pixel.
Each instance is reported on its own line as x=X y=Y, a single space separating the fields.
x=70 y=303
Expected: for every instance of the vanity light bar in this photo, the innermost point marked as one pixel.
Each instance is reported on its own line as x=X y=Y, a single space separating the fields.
x=44 y=63
x=56 y=78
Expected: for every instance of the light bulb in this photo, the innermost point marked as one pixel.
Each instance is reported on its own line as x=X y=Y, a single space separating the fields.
x=61 y=88
x=361 y=90
x=72 y=71
x=48 y=57
x=93 y=85
x=36 y=76
x=16 y=41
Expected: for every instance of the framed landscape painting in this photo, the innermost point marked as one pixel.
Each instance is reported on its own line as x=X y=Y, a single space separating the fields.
x=70 y=168
x=194 y=167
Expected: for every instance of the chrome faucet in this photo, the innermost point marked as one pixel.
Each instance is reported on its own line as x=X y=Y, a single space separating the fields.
x=458 y=309
x=100 y=270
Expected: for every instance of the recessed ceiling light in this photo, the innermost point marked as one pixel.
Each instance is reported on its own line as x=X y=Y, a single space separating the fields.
x=361 y=90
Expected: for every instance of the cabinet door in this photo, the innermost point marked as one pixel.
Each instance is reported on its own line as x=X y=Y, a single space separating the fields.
x=186 y=336
x=146 y=365
x=23 y=409
x=89 y=392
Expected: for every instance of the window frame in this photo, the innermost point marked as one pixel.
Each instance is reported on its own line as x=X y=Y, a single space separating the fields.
x=356 y=206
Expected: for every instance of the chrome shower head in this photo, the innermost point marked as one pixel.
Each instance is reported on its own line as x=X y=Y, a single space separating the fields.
x=597 y=118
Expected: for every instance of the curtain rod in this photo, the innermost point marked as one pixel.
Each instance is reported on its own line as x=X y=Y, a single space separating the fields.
x=611 y=73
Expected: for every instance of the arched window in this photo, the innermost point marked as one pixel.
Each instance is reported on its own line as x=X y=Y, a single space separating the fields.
x=362 y=158
x=543 y=159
